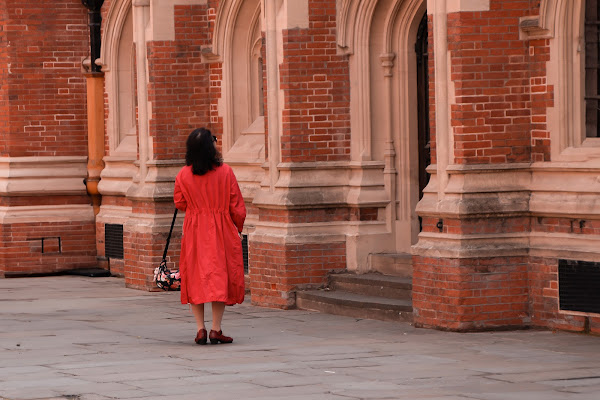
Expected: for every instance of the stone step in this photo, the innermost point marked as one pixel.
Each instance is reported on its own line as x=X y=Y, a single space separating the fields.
x=390 y=287
x=394 y=264
x=355 y=305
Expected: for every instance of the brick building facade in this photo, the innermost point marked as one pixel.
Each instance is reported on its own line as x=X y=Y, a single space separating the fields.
x=459 y=133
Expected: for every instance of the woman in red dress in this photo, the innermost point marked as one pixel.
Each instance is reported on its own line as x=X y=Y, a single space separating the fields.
x=211 y=264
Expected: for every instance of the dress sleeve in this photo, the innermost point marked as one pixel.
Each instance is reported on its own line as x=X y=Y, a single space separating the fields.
x=237 y=208
x=180 y=201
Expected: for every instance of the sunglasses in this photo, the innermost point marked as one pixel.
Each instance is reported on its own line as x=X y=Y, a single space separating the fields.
x=215 y=139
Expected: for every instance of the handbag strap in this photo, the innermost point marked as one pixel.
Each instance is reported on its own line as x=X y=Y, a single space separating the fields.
x=164 y=258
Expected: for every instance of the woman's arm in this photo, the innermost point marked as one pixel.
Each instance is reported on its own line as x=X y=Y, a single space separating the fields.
x=237 y=208
x=178 y=198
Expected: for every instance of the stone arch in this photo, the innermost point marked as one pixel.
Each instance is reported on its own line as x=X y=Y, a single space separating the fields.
x=356 y=32
x=354 y=26
x=225 y=18
x=379 y=37
x=117 y=61
x=236 y=35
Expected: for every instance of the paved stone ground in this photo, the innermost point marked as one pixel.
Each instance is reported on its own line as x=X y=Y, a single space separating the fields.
x=91 y=338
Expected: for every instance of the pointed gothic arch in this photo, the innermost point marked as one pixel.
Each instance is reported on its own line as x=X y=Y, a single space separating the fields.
x=117 y=61
x=236 y=35
x=379 y=38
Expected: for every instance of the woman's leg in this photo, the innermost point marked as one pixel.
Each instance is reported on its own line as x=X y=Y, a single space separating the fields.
x=198 y=311
x=218 y=309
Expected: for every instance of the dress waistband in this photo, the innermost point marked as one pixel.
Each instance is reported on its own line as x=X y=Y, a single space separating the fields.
x=205 y=211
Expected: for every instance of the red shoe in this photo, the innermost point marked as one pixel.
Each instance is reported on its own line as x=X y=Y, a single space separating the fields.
x=201 y=337
x=216 y=337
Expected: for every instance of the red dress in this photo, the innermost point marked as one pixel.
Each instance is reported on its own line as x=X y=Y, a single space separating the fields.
x=211 y=263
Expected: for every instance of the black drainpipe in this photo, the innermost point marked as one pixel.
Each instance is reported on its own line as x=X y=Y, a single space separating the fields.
x=95 y=20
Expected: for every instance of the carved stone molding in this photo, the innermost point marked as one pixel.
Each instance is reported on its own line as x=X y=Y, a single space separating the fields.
x=61 y=175
x=541 y=26
x=46 y=214
x=387 y=62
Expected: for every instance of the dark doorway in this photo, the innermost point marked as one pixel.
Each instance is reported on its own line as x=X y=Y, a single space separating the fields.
x=423 y=103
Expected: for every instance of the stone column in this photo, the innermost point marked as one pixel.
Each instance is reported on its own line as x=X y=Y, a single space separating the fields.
x=172 y=99
x=302 y=202
x=470 y=264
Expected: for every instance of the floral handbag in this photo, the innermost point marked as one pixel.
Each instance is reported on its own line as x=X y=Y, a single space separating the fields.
x=163 y=276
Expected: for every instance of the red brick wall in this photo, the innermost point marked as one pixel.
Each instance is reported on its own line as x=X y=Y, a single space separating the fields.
x=144 y=254
x=499 y=116
x=143 y=250
x=45 y=86
x=470 y=294
x=542 y=97
x=178 y=83
x=4 y=119
x=316 y=85
x=277 y=270
x=467 y=294
x=216 y=120
x=21 y=247
x=431 y=83
x=544 y=300
x=320 y=215
x=467 y=226
x=499 y=86
x=43 y=113
x=215 y=75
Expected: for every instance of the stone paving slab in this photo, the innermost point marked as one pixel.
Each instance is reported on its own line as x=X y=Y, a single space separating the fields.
x=79 y=338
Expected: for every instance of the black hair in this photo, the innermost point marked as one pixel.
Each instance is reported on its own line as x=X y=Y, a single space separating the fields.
x=202 y=153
